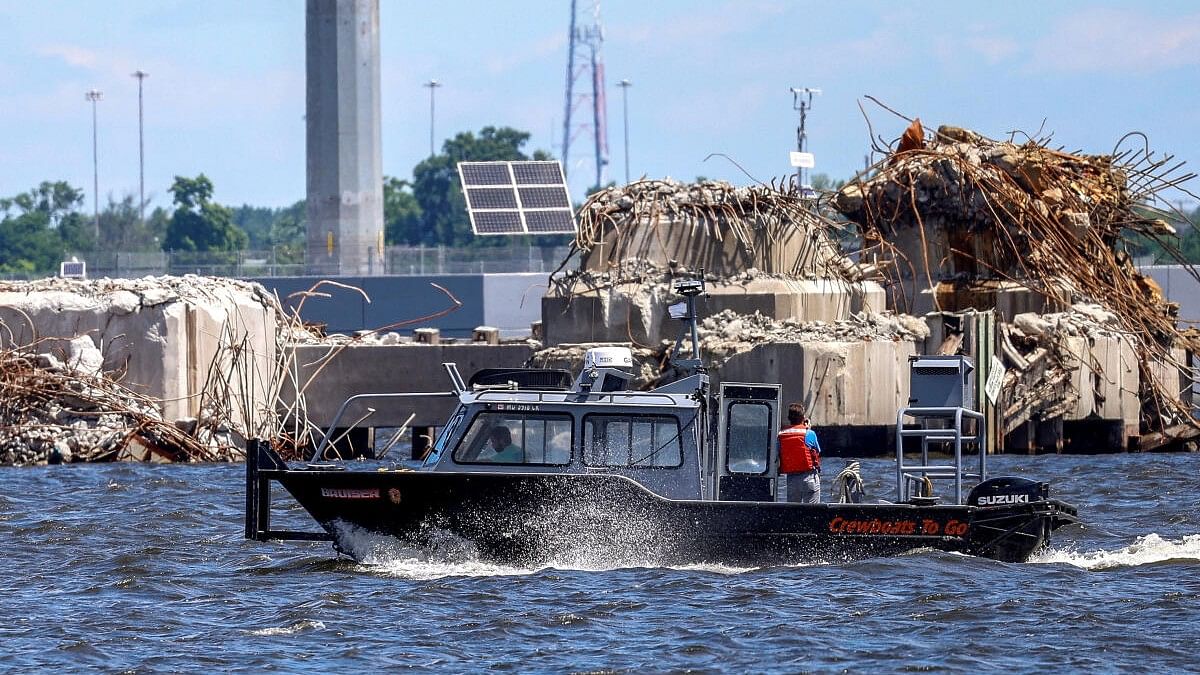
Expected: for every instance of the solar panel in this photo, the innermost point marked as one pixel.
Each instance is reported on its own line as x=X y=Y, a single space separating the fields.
x=484 y=173
x=72 y=269
x=543 y=222
x=544 y=197
x=538 y=173
x=497 y=222
x=517 y=197
x=491 y=198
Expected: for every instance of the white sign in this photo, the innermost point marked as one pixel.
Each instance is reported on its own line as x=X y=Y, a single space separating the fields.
x=802 y=160
x=995 y=379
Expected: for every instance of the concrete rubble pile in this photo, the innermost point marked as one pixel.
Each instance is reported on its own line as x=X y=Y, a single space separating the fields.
x=150 y=369
x=961 y=221
x=1047 y=357
x=759 y=248
x=710 y=225
x=961 y=207
x=55 y=412
x=727 y=333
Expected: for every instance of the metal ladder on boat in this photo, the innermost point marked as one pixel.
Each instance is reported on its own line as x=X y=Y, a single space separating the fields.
x=908 y=475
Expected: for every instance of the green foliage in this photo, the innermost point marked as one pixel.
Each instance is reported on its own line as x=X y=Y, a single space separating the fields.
x=121 y=228
x=402 y=221
x=39 y=226
x=821 y=182
x=199 y=224
x=435 y=187
x=281 y=230
x=288 y=232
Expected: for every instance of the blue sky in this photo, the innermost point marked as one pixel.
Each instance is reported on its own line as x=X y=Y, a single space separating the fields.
x=225 y=94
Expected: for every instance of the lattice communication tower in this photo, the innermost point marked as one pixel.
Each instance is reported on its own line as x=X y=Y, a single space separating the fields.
x=585 y=61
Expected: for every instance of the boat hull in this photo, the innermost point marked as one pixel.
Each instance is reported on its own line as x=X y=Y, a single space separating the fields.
x=537 y=519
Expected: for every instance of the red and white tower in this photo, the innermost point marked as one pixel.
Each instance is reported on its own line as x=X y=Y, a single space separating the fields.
x=585 y=89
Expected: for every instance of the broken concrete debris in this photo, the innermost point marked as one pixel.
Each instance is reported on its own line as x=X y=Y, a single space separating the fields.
x=96 y=370
x=954 y=216
x=50 y=412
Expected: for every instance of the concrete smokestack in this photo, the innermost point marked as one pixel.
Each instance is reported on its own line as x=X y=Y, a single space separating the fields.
x=345 y=173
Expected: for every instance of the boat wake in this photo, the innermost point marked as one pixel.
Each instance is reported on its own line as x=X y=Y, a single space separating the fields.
x=448 y=555
x=1147 y=550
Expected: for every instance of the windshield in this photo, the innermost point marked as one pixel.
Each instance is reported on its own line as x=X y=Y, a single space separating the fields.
x=516 y=438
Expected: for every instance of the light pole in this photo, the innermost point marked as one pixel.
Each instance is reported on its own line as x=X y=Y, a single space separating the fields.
x=95 y=95
x=625 y=85
x=141 y=75
x=432 y=84
x=802 y=101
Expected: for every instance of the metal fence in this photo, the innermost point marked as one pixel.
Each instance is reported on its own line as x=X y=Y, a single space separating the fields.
x=399 y=260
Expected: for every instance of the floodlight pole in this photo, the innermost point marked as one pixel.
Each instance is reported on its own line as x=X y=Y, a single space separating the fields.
x=94 y=95
x=432 y=84
x=141 y=75
x=802 y=101
x=625 y=85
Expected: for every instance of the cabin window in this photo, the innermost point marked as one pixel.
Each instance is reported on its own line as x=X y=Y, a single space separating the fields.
x=439 y=445
x=632 y=440
x=749 y=440
x=516 y=438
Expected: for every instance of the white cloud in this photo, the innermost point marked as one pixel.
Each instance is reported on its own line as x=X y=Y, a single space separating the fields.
x=538 y=51
x=993 y=49
x=697 y=26
x=72 y=55
x=1112 y=40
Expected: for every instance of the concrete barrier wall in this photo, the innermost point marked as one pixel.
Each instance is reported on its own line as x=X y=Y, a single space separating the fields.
x=165 y=345
x=842 y=383
x=510 y=302
x=359 y=369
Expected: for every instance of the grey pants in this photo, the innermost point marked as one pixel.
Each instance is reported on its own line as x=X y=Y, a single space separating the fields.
x=804 y=488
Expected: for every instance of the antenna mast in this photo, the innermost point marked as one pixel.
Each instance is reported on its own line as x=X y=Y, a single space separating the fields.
x=585 y=61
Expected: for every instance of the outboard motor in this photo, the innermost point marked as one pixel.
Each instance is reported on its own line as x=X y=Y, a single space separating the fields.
x=1008 y=490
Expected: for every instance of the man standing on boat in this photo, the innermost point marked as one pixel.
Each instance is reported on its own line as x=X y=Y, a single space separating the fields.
x=800 y=457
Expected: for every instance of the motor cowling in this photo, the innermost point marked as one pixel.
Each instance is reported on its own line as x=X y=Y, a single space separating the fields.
x=1007 y=491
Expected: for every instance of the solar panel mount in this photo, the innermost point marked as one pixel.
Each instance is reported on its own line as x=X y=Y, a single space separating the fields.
x=526 y=197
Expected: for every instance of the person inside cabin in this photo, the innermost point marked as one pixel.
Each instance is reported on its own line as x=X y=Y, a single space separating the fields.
x=800 y=457
x=506 y=452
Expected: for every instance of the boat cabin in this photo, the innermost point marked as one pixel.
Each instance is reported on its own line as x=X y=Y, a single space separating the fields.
x=677 y=441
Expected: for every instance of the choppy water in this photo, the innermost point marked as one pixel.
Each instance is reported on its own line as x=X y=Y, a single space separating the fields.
x=116 y=567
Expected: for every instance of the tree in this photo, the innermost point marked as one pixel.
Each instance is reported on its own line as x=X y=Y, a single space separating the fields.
x=821 y=182
x=45 y=224
x=199 y=224
x=437 y=191
x=401 y=212
x=121 y=228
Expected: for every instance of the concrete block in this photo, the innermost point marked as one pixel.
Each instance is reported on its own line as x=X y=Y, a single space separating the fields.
x=843 y=383
x=358 y=369
x=631 y=312
x=1107 y=380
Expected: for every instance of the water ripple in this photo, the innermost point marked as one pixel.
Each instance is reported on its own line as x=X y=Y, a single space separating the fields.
x=139 y=567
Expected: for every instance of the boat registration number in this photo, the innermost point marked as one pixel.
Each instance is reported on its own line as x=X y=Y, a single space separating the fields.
x=517 y=407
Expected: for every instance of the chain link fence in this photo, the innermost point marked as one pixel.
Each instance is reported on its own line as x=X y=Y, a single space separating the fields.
x=399 y=260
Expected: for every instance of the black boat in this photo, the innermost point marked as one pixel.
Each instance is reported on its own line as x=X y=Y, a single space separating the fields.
x=534 y=467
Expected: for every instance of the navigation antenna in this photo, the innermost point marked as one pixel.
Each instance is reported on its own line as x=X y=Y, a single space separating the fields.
x=686 y=311
x=802 y=102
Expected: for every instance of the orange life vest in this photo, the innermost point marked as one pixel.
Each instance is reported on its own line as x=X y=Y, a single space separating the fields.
x=794 y=454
